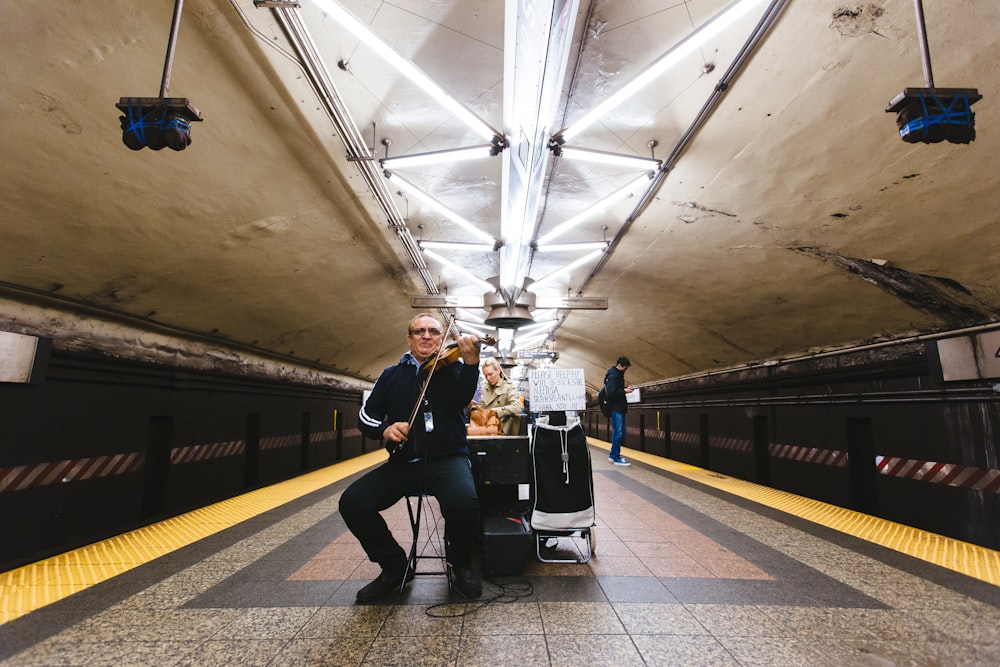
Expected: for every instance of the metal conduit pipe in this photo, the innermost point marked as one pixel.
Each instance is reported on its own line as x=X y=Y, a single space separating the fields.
x=825 y=400
x=358 y=150
x=921 y=338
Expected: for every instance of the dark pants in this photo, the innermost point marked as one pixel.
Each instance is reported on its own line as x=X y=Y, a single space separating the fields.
x=617 y=434
x=448 y=479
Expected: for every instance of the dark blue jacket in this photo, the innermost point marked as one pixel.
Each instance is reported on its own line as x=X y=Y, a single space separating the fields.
x=614 y=383
x=394 y=395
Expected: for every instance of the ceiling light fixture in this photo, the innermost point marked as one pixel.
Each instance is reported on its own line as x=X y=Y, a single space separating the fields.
x=436 y=157
x=425 y=198
x=538 y=328
x=678 y=52
x=467 y=314
x=573 y=247
x=530 y=341
x=405 y=67
x=537 y=45
x=474 y=326
x=465 y=273
x=596 y=209
x=603 y=157
x=458 y=245
x=566 y=269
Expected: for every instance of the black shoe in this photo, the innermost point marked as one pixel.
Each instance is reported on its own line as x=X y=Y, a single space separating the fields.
x=391 y=580
x=467 y=581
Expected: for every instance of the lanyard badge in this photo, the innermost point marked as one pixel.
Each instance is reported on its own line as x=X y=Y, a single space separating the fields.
x=428 y=417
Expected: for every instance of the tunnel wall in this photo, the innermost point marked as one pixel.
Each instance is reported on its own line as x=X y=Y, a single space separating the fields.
x=101 y=446
x=875 y=432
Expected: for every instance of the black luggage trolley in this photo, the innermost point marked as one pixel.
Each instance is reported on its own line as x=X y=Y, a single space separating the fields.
x=564 y=493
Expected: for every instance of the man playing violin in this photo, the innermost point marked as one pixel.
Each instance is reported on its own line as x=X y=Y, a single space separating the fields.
x=426 y=439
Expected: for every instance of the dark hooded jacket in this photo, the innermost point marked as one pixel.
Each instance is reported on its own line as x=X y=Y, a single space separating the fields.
x=614 y=383
x=394 y=396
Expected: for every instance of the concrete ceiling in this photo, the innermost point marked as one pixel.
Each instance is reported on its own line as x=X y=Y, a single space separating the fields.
x=793 y=219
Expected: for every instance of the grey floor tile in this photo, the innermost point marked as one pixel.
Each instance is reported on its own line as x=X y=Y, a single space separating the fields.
x=915 y=652
x=674 y=651
x=330 y=652
x=734 y=620
x=592 y=649
x=423 y=651
x=243 y=652
x=103 y=654
x=266 y=623
x=415 y=621
x=813 y=622
x=580 y=618
x=773 y=652
x=509 y=649
x=635 y=589
x=504 y=619
x=345 y=621
x=658 y=619
x=568 y=589
x=121 y=625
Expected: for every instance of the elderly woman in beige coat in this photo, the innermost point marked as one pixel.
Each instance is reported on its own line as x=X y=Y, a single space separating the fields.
x=501 y=396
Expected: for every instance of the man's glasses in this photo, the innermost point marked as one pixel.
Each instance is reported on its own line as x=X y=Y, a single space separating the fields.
x=422 y=331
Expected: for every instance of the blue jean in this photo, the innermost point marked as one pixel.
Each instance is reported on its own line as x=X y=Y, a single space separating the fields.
x=617 y=434
x=448 y=479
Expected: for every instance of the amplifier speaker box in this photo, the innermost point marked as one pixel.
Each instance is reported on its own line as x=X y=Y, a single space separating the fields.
x=507 y=543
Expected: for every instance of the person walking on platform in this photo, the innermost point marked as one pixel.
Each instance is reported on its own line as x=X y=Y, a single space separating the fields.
x=501 y=396
x=428 y=456
x=614 y=385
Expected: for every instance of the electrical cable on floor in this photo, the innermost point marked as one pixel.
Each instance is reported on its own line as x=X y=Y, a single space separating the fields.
x=504 y=593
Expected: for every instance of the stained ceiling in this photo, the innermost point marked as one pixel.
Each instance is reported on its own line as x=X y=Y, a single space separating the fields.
x=777 y=212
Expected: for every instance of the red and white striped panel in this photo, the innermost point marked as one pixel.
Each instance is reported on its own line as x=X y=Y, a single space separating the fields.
x=734 y=444
x=215 y=450
x=322 y=436
x=689 y=438
x=949 y=474
x=829 y=457
x=280 y=442
x=19 y=478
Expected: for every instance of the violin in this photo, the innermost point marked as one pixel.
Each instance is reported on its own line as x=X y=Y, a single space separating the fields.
x=450 y=355
x=444 y=357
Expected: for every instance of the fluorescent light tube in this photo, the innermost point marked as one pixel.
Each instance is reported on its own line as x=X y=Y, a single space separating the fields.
x=573 y=247
x=461 y=271
x=422 y=196
x=602 y=157
x=405 y=67
x=696 y=39
x=457 y=245
x=436 y=157
x=594 y=210
x=569 y=267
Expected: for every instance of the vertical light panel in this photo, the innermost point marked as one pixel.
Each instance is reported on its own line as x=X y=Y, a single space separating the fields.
x=537 y=39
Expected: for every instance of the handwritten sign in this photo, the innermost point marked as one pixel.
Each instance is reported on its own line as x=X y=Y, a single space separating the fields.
x=553 y=390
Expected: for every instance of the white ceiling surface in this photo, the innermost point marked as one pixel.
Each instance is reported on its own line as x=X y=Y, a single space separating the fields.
x=262 y=236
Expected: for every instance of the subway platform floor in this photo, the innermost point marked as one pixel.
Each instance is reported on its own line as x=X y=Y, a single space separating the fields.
x=689 y=568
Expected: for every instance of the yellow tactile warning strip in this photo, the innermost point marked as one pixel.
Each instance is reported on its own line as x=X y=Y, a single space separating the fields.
x=38 y=584
x=968 y=559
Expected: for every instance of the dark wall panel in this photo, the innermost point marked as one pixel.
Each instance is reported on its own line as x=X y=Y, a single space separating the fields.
x=101 y=447
x=869 y=430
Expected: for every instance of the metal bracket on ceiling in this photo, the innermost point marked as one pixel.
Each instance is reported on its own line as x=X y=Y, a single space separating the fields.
x=295 y=4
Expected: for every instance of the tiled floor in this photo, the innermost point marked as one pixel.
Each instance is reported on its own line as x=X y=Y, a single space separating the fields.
x=682 y=574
